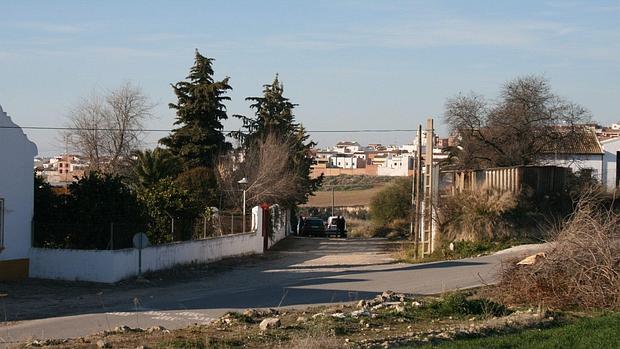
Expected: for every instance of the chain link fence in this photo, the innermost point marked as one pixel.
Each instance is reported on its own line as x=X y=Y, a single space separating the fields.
x=111 y=233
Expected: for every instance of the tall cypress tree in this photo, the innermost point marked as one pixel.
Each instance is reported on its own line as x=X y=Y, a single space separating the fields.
x=273 y=114
x=200 y=110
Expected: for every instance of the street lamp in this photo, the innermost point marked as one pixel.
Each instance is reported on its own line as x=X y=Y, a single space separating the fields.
x=243 y=182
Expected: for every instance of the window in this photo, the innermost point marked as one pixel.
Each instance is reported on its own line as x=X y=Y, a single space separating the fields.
x=1 y=223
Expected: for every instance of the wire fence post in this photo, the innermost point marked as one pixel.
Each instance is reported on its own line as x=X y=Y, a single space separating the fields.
x=111 y=235
x=204 y=226
x=232 y=223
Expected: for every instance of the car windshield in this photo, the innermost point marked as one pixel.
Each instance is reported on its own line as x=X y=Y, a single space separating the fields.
x=314 y=222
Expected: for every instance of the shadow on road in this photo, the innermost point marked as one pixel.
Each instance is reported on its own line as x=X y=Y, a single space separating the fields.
x=278 y=279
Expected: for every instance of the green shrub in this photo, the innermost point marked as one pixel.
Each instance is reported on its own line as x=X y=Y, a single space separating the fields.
x=458 y=304
x=201 y=184
x=353 y=182
x=392 y=203
x=96 y=206
x=164 y=201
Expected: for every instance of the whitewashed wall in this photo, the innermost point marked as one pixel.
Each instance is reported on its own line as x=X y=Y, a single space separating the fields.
x=610 y=147
x=401 y=171
x=82 y=265
x=16 y=188
x=577 y=162
x=282 y=224
x=112 y=266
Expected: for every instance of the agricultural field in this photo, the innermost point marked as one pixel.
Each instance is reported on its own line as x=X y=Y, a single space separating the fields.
x=343 y=198
x=348 y=190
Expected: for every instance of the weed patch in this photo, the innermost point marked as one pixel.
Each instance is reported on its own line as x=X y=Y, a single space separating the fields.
x=582 y=270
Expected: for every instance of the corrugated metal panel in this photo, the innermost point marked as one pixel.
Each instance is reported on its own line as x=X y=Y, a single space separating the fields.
x=539 y=179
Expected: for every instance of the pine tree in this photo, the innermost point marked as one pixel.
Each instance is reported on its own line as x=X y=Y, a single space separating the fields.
x=200 y=111
x=274 y=115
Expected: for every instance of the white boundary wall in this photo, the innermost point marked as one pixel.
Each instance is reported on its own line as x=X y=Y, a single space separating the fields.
x=110 y=266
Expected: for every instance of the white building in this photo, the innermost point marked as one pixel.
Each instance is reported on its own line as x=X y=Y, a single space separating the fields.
x=584 y=153
x=611 y=171
x=346 y=161
x=347 y=147
x=408 y=148
x=16 y=199
x=396 y=165
x=424 y=138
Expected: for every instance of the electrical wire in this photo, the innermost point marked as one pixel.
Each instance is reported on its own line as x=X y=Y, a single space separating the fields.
x=61 y=128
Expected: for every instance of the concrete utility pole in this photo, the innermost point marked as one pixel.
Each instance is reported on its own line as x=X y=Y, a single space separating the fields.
x=428 y=189
x=418 y=196
x=412 y=210
x=333 y=200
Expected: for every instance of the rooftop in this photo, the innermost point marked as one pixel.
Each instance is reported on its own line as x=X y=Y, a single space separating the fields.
x=584 y=142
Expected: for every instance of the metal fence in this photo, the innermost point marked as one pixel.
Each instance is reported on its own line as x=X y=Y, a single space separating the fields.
x=540 y=180
x=110 y=233
x=220 y=223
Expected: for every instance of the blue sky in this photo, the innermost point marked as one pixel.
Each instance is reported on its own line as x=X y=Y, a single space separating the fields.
x=348 y=64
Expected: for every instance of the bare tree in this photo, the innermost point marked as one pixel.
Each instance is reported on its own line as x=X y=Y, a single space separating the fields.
x=266 y=164
x=516 y=129
x=85 y=137
x=107 y=128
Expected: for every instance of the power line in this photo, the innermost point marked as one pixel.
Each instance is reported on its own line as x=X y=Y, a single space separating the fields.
x=61 y=128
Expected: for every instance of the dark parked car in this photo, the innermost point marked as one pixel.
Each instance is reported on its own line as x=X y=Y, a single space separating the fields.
x=313 y=227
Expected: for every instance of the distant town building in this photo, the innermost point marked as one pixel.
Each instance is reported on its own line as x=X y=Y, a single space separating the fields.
x=62 y=169
x=604 y=132
x=396 y=165
x=347 y=147
x=347 y=161
x=350 y=157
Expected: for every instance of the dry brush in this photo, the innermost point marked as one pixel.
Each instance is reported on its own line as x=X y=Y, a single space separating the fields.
x=581 y=270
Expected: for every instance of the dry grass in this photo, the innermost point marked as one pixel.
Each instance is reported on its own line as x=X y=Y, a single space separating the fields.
x=476 y=215
x=314 y=342
x=360 y=228
x=364 y=228
x=402 y=316
x=583 y=268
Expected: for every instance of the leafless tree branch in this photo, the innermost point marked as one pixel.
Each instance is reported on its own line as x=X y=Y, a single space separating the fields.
x=106 y=128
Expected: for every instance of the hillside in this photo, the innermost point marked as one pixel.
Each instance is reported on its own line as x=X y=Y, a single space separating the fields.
x=343 y=198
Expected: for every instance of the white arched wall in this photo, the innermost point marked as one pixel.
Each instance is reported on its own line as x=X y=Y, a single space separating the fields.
x=16 y=190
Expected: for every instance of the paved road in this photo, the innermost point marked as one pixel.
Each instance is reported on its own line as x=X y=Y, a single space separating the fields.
x=301 y=272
